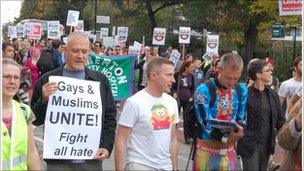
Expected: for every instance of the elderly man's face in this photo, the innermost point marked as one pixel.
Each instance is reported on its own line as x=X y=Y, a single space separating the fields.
x=77 y=51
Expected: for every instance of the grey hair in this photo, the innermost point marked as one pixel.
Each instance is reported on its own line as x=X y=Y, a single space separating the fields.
x=232 y=60
x=77 y=34
x=9 y=61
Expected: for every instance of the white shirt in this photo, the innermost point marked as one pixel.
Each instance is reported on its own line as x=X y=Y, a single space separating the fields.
x=151 y=120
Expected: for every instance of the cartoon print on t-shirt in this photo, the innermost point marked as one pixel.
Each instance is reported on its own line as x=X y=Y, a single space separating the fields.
x=160 y=118
x=224 y=109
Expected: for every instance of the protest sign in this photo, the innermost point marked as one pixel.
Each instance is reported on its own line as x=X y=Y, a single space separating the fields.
x=122 y=33
x=11 y=32
x=73 y=120
x=27 y=28
x=109 y=42
x=35 y=31
x=159 y=35
x=103 y=19
x=184 y=35
x=53 y=31
x=72 y=19
x=20 y=30
x=80 y=26
x=290 y=7
x=104 y=32
x=174 y=57
x=212 y=44
x=118 y=70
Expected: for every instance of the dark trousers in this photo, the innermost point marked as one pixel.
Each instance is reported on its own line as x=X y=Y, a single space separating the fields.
x=68 y=166
x=259 y=159
x=185 y=105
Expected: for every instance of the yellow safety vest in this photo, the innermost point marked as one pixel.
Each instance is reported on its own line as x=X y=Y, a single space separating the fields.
x=14 y=145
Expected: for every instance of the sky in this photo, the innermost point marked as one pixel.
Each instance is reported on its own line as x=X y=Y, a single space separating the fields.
x=9 y=10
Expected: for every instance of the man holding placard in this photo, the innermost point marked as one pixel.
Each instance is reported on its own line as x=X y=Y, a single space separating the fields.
x=76 y=106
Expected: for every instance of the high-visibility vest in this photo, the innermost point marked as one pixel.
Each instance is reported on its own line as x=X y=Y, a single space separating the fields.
x=14 y=145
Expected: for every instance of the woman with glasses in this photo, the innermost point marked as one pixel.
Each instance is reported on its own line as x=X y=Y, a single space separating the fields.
x=264 y=118
x=18 y=151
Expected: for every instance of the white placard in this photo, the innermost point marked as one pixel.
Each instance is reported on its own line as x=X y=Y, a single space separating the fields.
x=11 y=32
x=20 y=30
x=109 y=42
x=184 y=35
x=212 y=44
x=174 y=57
x=104 y=32
x=290 y=7
x=53 y=30
x=27 y=28
x=80 y=25
x=159 y=36
x=35 y=31
x=122 y=33
x=103 y=19
x=73 y=120
x=72 y=19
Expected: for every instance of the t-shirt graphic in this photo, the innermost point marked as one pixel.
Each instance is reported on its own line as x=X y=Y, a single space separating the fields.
x=224 y=109
x=160 y=118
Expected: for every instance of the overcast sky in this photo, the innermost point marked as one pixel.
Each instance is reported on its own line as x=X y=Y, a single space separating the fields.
x=9 y=10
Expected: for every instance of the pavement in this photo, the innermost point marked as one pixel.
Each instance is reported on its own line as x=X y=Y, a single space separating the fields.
x=183 y=150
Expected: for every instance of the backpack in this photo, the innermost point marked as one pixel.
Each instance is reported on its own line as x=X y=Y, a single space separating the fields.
x=46 y=62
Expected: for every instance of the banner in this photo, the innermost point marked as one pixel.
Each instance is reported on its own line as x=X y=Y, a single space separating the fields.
x=20 y=30
x=184 y=35
x=290 y=7
x=72 y=19
x=73 y=120
x=35 y=31
x=11 y=32
x=212 y=44
x=104 y=32
x=53 y=30
x=159 y=35
x=118 y=70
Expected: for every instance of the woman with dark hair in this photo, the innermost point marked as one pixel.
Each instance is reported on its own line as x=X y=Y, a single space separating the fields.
x=264 y=118
x=183 y=91
x=214 y=70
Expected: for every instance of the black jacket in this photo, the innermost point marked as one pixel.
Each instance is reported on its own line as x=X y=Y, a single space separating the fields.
x=247 y=144
x=108 y=113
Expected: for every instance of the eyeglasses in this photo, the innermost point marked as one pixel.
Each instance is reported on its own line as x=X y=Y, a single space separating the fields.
x=10 y=77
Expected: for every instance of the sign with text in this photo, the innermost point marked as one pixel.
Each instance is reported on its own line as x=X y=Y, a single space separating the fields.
x=73 y=120
x=212 y=44
x=80 y=25
x=20 y=30
x=35 y=31
x=103 y=19
x=290 y=7
x=11 y=32
x=122 y=33
x=174 y=57
x=27 y=28
x=184 y=35
x=104 y=32
x=119 y=70
x=53 y=31
x=159 y=35
x=72 y=19
x=278 y=31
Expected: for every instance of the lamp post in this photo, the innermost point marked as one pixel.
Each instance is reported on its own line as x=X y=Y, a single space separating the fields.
x=294 y=31
x=95 y=19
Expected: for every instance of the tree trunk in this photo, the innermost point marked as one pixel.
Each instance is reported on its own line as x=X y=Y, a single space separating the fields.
x=250 y=41
x=151 y=16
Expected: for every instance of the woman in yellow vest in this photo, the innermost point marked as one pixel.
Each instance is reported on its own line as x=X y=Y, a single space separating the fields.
x=18 y=148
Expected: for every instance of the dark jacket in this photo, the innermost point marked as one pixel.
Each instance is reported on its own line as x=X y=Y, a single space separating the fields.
x=108 y=113
x=247 y=144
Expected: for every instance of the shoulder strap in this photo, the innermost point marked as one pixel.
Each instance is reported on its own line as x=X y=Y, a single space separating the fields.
x=239 y=93
x=24 y=112
x=211 y=88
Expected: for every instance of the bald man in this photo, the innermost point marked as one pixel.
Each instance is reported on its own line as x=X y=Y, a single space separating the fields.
x=77 y=52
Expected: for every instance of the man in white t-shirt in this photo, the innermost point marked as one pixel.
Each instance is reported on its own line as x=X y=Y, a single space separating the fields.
x=289 y=87
x=147 y=124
